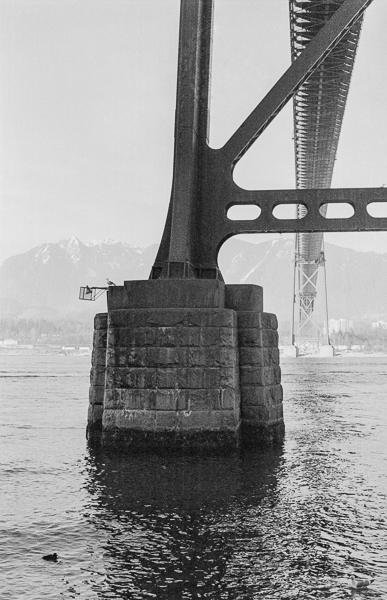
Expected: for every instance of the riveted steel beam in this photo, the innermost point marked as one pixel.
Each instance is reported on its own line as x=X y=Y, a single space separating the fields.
x=285 y=88
x=314 y=201
x=177 y=248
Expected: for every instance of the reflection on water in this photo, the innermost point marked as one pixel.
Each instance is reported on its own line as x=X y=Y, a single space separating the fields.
x=248 y=527
x=290 y=523
x=176 y=526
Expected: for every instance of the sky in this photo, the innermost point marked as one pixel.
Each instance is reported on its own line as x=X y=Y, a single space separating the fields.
x=87 y=101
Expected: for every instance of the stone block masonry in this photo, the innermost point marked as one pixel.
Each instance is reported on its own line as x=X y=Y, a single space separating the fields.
x=182 y=364
x=172 y=378
x=97 y=377
x=260 y=378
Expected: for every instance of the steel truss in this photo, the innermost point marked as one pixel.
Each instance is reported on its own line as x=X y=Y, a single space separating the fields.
x=318 y=110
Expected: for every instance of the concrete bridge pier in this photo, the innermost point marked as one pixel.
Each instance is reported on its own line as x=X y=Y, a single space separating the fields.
x=188 y=365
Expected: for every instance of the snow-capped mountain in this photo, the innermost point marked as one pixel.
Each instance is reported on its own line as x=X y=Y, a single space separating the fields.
x=356 y=281
x=48 y=277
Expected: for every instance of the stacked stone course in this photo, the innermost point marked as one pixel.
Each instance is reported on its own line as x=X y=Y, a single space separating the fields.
x=97 y=376
x=183 y=377
x=158 y=376
x=260 y=378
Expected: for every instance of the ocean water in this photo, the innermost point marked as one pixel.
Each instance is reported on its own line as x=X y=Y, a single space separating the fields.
x=287 y=523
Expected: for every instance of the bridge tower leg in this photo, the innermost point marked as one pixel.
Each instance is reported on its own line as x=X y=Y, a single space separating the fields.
x=183 y=361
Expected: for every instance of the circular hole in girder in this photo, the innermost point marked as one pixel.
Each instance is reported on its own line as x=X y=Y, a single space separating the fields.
x=377 y=209
x=289 y=211
x=243 y=212
x=336 y=210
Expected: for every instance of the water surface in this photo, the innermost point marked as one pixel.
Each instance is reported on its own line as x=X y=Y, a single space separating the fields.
x=289 y=523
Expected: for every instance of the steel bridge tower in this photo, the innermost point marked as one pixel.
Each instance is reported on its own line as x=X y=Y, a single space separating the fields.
x=318 y=110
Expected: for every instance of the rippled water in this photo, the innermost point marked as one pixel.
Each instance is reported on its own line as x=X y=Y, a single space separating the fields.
x=290 y=523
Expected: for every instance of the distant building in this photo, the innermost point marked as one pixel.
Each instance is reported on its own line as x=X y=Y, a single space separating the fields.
x=340 y=326
x=334 y=325
x=85 y=350
x=379 y=324
x=9 y=343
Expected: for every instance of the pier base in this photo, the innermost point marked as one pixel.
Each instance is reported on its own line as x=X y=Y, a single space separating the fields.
x=291 y=351
x=187 y=365
x=327 y=350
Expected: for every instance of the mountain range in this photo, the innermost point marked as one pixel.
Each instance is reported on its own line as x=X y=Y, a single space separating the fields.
x=45 y=281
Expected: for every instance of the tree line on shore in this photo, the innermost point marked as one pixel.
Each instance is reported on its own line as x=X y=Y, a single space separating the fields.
x=67 y=331
x=374 y=340
x=46 y=332
x=364 y=337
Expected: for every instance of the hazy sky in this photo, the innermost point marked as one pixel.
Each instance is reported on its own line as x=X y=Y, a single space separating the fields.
x=87 y=114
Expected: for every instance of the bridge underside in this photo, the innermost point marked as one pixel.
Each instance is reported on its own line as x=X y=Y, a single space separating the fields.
x=318 y=109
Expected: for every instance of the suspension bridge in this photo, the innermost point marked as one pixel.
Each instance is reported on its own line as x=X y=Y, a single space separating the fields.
x=183 y=360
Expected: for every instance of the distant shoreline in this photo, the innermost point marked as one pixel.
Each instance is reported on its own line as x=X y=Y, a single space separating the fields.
x=344 y=354
x=44 y=351
x=41 y=352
